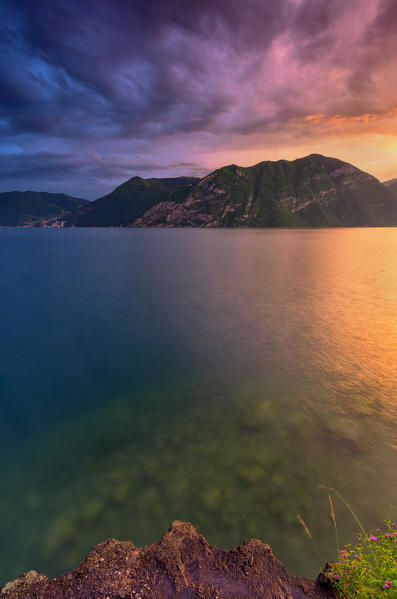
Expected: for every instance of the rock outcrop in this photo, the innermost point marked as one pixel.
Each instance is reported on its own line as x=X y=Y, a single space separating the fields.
x=182 y=565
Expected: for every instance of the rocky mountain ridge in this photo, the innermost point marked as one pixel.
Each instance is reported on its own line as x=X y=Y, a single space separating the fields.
x=314 y=191
x=129 y=201
x=307 y=192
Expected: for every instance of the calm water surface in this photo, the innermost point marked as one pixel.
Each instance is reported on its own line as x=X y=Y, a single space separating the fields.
x=211 y=376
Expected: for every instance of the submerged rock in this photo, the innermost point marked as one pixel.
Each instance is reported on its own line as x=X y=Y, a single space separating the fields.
x=182 y=565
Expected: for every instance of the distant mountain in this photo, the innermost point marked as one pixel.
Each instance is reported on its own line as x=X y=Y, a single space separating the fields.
x=30 y=208
x=131 y=200
x=391 y=186
x=389 y=182
x=307 y=192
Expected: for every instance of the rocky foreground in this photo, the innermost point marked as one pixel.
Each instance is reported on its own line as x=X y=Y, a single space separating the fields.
x=182 y=565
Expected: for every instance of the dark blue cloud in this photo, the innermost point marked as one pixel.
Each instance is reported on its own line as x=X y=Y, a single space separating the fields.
x=76 y=76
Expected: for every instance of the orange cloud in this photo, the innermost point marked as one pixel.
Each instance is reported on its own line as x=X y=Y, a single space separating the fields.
x=361 y=118
x=314 y=118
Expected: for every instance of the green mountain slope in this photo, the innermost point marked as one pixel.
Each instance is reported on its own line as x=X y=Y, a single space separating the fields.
x=21 y=208
x=130 y=200
x=314 y=191
x=310 y=191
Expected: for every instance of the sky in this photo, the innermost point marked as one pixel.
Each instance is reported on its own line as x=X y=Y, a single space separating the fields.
x=93 y=92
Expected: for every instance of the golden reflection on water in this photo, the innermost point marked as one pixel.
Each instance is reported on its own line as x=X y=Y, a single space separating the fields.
x=293 y=340
x=324 y=299
x=356 y=312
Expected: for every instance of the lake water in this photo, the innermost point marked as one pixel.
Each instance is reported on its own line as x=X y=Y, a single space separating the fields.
x=215 y=376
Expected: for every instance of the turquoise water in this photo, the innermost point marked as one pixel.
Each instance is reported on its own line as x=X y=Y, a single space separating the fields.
x=211 y=376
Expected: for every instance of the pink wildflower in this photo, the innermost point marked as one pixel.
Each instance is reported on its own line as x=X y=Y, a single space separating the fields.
x=375 y=538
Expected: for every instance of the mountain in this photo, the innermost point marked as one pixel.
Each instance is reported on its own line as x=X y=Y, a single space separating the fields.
x=29 y=208
x=391 y=186
x=307 y=192
x=310 y=191
x=314 y=191
x=389 y=182
x=131 y=200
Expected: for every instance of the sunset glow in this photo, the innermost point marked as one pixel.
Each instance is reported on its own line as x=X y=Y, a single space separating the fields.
x=198 y=257
x=94 y=93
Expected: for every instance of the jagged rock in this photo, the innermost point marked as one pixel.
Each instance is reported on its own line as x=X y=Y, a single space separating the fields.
x=171 y=214
x=182 y=565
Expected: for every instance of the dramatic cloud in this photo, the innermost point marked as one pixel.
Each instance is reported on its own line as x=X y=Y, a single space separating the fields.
x=180 y=86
